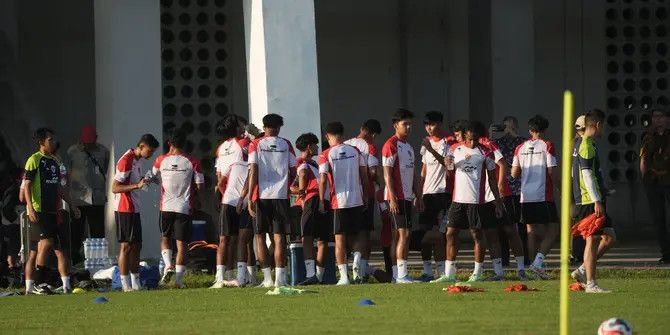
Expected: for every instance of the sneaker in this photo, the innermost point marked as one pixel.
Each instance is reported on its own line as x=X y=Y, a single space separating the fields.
x=474 y=278
x=218 y=284
x=522 y=275
x=496 y=278
x=343 y=282
x=42 y=289
x=266 y=284
x=539 y=273
x=251 y=281
x=405 y=280
x=309 y=281
x=425 y=278
x=595 y=289
x=579 y=277
x=167 y=277
x=444 y=279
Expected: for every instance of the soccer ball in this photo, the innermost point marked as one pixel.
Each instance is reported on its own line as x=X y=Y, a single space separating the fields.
x=615 y=326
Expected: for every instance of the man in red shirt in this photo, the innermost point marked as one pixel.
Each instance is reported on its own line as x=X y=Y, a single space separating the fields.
x=401 y=189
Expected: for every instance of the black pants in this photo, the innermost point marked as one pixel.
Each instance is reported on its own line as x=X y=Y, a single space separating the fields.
x=658 y=196
x=94 y=217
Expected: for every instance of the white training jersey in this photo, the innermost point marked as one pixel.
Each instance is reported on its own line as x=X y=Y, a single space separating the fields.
x=367 y=149
x=235 y=175
x=342 y=165
x=471 y=166
x=274 y=157
x=231 y=151
x=179 y=175
x=399 y=155
x=435 y=180
x=128 y=172
x=534 y=157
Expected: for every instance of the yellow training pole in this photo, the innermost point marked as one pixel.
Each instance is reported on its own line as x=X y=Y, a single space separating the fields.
x=566 y=196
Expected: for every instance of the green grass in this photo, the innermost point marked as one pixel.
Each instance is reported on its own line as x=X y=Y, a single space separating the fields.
x=641 y=297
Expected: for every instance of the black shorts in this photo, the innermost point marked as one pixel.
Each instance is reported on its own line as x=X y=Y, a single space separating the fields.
x=539 y=213
x=230 y=222
x=582 y=211
x=272 y=216
x=128 y=227
x=402 y=220
x=45 y=227
x=176 y=225
x=434 y=206
x=369 y=215
x=506 y=218
x=314 y=223
x=514 y=208
x=472 y=216
x=347 y=220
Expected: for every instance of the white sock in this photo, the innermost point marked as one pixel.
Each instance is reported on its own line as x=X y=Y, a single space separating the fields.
x=179 y=270
x=428 y=268
x=251 y=271
x=66 y=282
x=229 y=274
x=125 y=282
x=539 y=260
x=450 y=269
x=356 y=266
x=591 y=283
x=581 y=269
x=167 y=257
x=220 y=270
x=402 y=268
x=394 y=269
x=440 y=268
x=267 y=274
x=30 y=285
x=135 y=281
x=497 y=266
x=279 y=277
x=241 y=272
x=343 y=272
x=520 y=265
x=319 y=273
x=309 y=268
x=478 y=269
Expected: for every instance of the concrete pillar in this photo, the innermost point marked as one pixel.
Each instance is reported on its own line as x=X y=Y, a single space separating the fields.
x=479 y=32
x=128 y=95
x=281 y=64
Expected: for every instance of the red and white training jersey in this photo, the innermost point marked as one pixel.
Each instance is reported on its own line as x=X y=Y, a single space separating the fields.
x=342 y=165
x=231 y=151
x=435 y=180
x=128 y=171
x=497 y=156
x=235 y=176
x=471 y=166
x=369 y=152
x=178 y=175
x=534 y=157
x=311 y=168
x=399 y=155
x=274 y=157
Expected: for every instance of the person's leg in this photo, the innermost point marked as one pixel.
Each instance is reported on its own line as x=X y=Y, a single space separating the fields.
x=515 y=243
x=532 y=232
x=492 y=236
x=64 y=268
x=551 y=233
x=321 y=257
x=30 y=267
x=221 y=257
x=243 y=239
x=44 y=247
x=231 y=257
x=426 y=253
x=439 y=251
x=180 y=263
x=477 y=238
x=77 y=235
x=607 y=240
x=656 y=196
x=361 y=246
x=341 y=257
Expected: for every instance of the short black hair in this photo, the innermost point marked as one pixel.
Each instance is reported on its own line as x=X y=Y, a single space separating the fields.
x=402 y=114
x=372 y=126
x=149 y=140
x=335 y=128
x=227 y=127
x=460 y=125
x=513 y=119
x=433 y=117
x=306 y=140
x=177 y=138
x=41 y=134
x=274 y=121
x=538 y=124
x=594 y=116
x=476 y=128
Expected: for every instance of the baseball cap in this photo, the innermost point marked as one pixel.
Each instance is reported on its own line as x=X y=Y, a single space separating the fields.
x=88 y=135
x=580 y=123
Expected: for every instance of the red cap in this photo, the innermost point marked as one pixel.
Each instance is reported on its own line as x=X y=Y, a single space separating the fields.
x=88 y=135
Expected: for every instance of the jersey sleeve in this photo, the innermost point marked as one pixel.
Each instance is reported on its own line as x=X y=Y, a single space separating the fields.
x=244 y=145
x=362 y=161
x=490 y=161
x=324 y=165
x=372 y=156
x=586 y=154
x=32 y=165
x=389 y=154
x=156 y=167
x=123 y=168
x=551 y=155
x=198 y=176
x=515 y=159
x=292 y=161
x=253 y=154
x=225 y=173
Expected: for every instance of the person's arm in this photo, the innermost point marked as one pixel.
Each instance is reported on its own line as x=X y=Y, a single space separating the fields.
x=301 y=188
x=253 y=183
x=32 y=216
x=122 y=176
x=586 y=155
x=426 y=144
x=516 y=166
x=243 y=195
x=491 y=173
x=323 y=181
x=418 y=193
x=644 y=150
x=502 y=173
x=423 y=175
x=118 y=187
x=388 y=180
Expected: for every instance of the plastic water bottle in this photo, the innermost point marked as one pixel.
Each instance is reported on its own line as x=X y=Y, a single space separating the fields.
x=96 y=248
x=105 y=248
x=161 y=266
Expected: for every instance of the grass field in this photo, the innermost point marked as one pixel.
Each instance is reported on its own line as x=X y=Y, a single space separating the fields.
x=641 y=297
